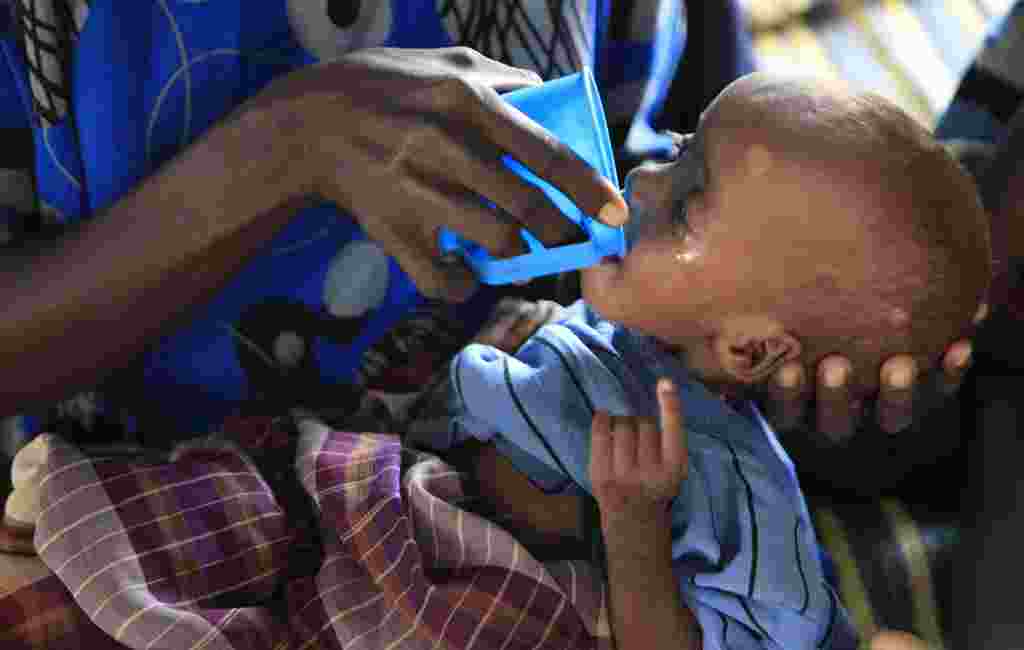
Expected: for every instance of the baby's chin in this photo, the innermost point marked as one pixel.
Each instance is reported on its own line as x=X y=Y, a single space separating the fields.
x=597 y=284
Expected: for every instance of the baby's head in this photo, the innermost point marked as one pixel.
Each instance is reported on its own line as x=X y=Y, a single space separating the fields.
x=802 y=219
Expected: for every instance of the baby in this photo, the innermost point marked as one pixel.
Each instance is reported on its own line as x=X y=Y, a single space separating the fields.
x=800 y=220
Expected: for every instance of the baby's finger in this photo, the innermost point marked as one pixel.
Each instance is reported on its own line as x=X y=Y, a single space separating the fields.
x=895 y=407
x=836 y=417
x=673 y=437
x=624 y=433
x=600 y=445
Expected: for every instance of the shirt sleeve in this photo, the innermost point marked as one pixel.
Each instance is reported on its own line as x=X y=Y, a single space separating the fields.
x=538 y=403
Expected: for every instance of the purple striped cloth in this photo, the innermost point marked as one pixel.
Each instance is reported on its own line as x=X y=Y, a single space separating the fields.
x=147 y=549
x=406 y=567
x=193 y=553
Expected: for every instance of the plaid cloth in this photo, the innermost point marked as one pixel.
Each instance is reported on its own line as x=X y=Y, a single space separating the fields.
x=197 y=552
x=149 y=551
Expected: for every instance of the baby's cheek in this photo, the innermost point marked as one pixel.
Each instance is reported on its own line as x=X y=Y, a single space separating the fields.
x=594 y=285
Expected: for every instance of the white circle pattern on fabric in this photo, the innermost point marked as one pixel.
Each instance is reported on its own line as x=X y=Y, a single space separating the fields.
x=289 y=349
x=313 y=28
x=357 y=280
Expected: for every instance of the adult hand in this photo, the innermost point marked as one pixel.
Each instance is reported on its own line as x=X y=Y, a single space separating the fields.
x=637 y=466
x=835 y=412
x=409 y=141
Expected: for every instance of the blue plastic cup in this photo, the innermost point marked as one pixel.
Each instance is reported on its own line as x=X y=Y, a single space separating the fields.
x=570 y=108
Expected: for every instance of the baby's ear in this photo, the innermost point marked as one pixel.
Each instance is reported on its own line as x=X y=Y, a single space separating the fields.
x=753 y=357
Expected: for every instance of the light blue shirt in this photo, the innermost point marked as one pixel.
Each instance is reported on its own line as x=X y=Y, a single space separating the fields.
x=744 y=550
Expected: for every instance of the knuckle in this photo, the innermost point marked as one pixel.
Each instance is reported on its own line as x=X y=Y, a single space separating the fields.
x=404 y=183
x=419 y=146
x=427 y=137
x=460 y=93
x=463 y=56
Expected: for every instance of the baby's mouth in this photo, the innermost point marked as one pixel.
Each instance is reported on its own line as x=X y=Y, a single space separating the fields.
x=681 y=224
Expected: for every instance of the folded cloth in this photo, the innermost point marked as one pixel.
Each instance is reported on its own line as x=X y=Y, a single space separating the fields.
x=419 y=570
x=194 y=551
x=157 y=553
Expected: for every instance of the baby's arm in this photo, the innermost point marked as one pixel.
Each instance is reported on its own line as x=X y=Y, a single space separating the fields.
x=636 y=468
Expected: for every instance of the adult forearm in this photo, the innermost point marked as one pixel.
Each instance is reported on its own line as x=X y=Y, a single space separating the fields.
x=90 y=302
x=646 y=608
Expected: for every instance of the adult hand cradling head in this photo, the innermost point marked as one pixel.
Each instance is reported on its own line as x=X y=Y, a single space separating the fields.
x=410 y=140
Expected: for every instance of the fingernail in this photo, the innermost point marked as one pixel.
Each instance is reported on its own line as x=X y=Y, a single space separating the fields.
x=614 y=213
x=835 y=376
x=963 y=356
x=901 y=377
x=665 y=385
x=981 y=314
x=789 y=377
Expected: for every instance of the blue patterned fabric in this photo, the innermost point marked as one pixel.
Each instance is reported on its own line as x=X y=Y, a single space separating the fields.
x=115 y=88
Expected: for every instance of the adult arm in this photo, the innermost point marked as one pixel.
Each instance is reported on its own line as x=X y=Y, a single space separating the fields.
x=88 y=302
x=405 y=140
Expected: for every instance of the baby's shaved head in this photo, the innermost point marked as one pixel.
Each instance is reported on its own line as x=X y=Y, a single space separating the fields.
x=908 y=261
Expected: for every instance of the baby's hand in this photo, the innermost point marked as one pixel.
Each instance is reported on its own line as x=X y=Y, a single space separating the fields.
x=636 y=467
